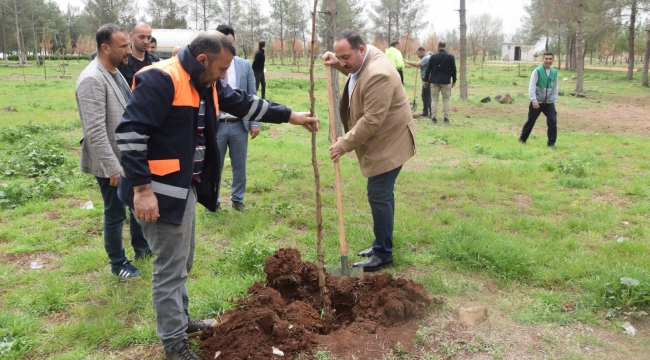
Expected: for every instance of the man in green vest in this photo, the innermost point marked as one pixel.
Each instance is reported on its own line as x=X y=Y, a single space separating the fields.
x=542 y=91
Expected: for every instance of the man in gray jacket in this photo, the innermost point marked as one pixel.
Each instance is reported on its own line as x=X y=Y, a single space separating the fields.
x=542 y=91
x=102 y=95
x=233 y=131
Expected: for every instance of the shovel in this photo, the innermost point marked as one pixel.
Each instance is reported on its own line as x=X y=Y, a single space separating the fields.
x=344 y=270
x=414 y=106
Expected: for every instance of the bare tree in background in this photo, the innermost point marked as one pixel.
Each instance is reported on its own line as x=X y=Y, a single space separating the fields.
x=280 y=13
x=646 y=60
x=331 y=15
x=252 y=27
x=463 y=51
x=580 y=59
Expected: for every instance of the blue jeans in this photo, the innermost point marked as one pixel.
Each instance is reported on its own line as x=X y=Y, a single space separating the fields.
x=114 y=216
x=382 y=205
x=235 y=137
x=174 y=249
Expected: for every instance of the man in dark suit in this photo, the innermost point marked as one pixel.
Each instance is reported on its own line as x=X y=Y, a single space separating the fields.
x=102 y=95
x=232 y=132
x=258 y=68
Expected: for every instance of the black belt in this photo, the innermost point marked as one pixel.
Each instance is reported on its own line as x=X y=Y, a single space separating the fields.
x=229 y=121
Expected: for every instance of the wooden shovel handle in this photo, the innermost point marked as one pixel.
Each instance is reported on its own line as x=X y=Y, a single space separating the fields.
x=415 y=86
x=337 y=174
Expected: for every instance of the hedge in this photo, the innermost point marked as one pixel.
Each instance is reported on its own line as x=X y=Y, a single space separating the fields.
x=51 y=57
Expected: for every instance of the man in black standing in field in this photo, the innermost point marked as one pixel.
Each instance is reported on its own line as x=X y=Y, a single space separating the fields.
x=440 y=71
x=258 y=68
x=140 y=57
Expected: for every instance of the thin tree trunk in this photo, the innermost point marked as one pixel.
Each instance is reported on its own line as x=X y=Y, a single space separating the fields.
x=463 y=51
x=630 y=39
x=559 y=52
x=646 y=60
x=580 y=61
x=568 y=53
x=35 y=43
x=4 y=40
x=331 y=32
x=18 y=42
x=327 y=304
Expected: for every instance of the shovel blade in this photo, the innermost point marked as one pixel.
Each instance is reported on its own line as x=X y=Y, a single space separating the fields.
x=414 y=106
x=353 y=271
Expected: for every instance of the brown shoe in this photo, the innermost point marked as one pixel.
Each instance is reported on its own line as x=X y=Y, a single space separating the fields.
x=239 y=206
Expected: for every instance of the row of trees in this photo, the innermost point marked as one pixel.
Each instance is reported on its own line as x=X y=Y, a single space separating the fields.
x=28 y=25
x=578 y=27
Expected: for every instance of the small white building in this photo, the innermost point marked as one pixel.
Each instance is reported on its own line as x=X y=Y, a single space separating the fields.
x=517 y=52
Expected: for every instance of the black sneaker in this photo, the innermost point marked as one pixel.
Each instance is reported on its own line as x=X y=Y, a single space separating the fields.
x=198 y=325
x=183 y=353
x=423 y=115
x=521 y=141
x=446 y=121
x=552 y=146
x=126 y=271
x=434 y=120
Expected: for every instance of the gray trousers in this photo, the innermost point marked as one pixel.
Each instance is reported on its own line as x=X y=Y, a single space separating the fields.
x=174 y=249
x=235 y=137
x=445 y=90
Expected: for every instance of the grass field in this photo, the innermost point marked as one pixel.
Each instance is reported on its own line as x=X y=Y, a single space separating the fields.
x=552 y=229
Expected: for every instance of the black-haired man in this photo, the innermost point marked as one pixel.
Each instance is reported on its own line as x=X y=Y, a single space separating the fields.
x=426 y=87
x=171 y=161
x=542 y=91
x=153 y=45
x=102 y=95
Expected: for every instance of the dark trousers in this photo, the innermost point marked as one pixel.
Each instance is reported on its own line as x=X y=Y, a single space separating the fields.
x=401 y=75
x=426 y=98
x=551 y=121
x=114 y=216
x=259 y=79
x=382 y=205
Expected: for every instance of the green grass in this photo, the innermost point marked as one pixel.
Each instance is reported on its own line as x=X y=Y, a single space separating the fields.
x=475 y=203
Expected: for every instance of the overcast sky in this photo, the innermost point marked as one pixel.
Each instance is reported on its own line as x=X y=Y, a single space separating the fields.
x=441 y=13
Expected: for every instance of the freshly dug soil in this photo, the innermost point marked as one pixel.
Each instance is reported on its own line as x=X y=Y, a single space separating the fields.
x=285 y=312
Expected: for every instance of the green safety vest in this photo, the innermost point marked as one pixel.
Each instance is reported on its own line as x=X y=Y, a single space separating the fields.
x=543 y=81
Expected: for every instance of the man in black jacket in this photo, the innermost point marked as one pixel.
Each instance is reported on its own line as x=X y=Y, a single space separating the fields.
x=440 y=71
x=140 y=57
x=258 y=68
x=170 y=161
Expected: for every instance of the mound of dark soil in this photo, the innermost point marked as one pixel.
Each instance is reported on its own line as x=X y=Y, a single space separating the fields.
x=285 y=312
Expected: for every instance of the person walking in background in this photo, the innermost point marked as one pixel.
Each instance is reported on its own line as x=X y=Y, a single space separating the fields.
x=426 y=87
x=233 y=131
x=258 y=68
x=171 y=161
x=542 y=91
x=102 y=95
x=379 y=127
x=396 y=58
x=140 y=57
x=441 y=70
x=153 y=45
